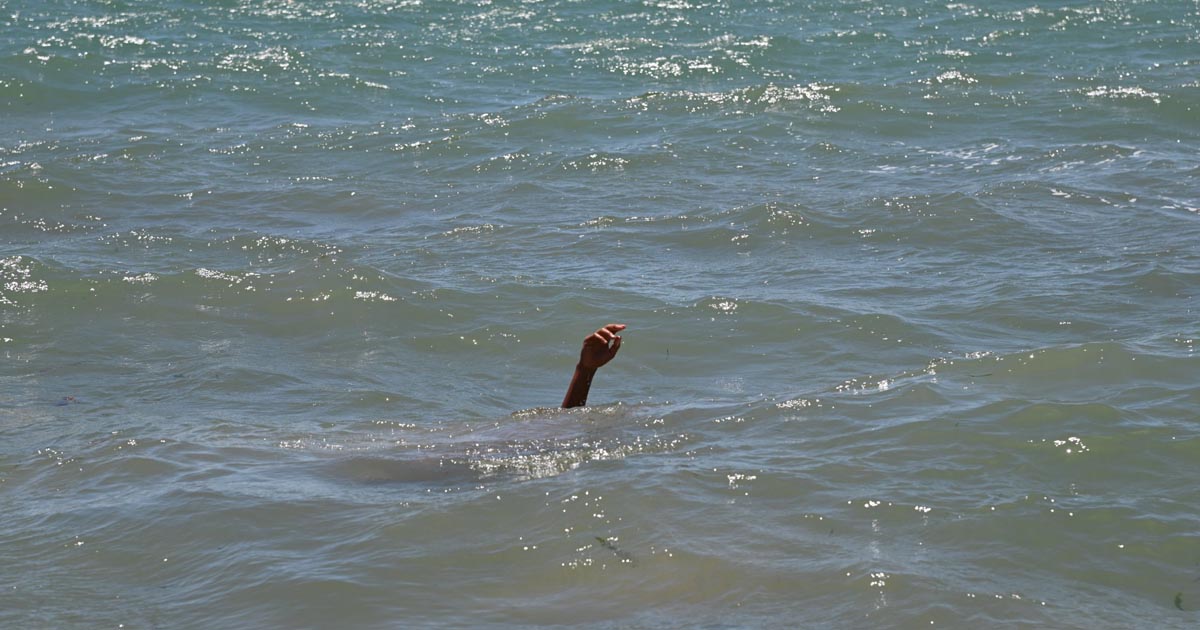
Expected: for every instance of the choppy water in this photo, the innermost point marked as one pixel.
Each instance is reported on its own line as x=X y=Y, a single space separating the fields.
x=290 y=288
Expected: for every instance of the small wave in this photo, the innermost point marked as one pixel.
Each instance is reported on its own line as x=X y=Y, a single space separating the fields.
x=1127 y=92
x=815 y=95
x=19 y=277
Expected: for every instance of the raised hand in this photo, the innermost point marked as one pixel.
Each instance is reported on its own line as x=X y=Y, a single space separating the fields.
x=598 y=349
x=601 y=346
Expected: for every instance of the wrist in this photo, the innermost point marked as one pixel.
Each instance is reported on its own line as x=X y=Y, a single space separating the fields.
x=579 y=367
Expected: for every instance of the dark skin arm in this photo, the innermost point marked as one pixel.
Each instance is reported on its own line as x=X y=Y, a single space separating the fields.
x=598 y=348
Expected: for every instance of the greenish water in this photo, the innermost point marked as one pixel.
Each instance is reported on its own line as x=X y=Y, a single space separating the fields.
x=288 y=291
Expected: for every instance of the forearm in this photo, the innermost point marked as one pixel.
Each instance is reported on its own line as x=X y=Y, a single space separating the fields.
x=598 y=349
x=581 y=383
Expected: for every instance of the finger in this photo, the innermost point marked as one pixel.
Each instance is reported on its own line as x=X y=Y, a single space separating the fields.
x=605 y=334
x=614 y=327
x=616 y=345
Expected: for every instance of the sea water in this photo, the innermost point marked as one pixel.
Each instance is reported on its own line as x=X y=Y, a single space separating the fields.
x=290 y=289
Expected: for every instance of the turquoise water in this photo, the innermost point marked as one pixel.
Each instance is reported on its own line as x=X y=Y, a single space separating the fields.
x=289 y=290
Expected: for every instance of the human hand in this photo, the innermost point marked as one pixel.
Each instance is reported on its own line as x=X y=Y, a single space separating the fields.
x=600 y=347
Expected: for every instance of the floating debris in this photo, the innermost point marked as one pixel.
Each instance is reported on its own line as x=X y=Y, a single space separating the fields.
x=609 y=544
